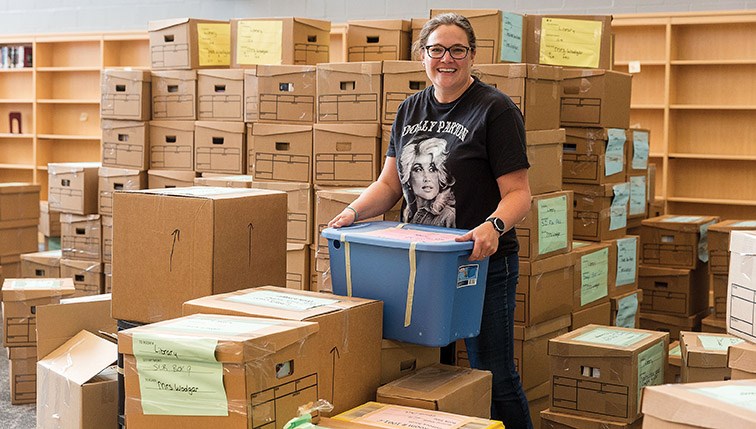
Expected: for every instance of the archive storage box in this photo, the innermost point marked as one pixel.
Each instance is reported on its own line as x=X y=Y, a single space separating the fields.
x=81 y=237
x=345 y=154
x=73 y=187
x=280 y=152
x=118 y=179
x=673 y=291
x=220 y=147
x=546 y=36
x=714 y=325
x=299 y=41
x=20 y=299
x=741 y=292
x=487 y=26
x=283 y=94
x=17 y=237
x=172 y=145
x=594 y=156
x=220 y=95
x=547 y=228
x=531 y=345
x=19 y=201
x=387 y=416
x=22 y=372
x=297 y=266
x=174 y=95
x=126 y=94
x=595 y=98
x=349 y=92
x=600 y=210
x=625 y=254
x=675 y=241
x=719 y=243
x=599 y=314
x=41 y=264
x=625 y=309
x=718 y=284
x=427 y=266
x=188 y=43
x=741 y=359
x=399 y=359
x=544 y=289
x=704 y=356
x=400 y=80
x=554 y=420
x=544 y=147
x=125 y=144
x=86 y=275
x=299 y=211
x=378 y=40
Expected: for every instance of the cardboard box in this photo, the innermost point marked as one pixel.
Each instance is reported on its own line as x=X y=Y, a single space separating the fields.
x=726 y=404
x=440 y=387
x=704 y=356
x=532 y=87
x=673 y=291
x=250 y=362
x=279 y=152
x=86 y=275
x=674 y=363
x=188 y=43
x=378 y=40
x=220 y=147
x=547 y=37
x=223 y=181
x=626 y=309
x=600 y=210
x=544 y=289
x=21 y=297
x=220 y=94
x=345 y=154
x=675 y=241
x=590 y=285
x=625 y=253
x=107 y=238
x=299 y=211
x=300 y=41
x=349 y=92
x=741 y=359
x=125 y=144
x=595 y=98
x=22 y=373
x=73 y=187
x=719 y=243
x=375 y=415
x=400 y=359
x=78 y=384
x=400 y=80
x=594 y=156
x=282 y=94
x=216 y=239
x=17 y=237
x=49 y=221
x=714 y=325
x=487 y=26
x=554 y=420
x=41 y=264
x=172 y=145
x=297 y=266
x=118 y=179
x=174 y=95
x=544 y=150
x=19 y=201
x=638 y=149
x=671 y=324
x=600 y=370
x=598 y=315
x=125 y=94
x=10 y=267
x=162 y=179
x=346 y=348
x=531 y=349
x=81 y=237
x=107 y=273
x=741 y=292
x=547 y=228
x=539 y=399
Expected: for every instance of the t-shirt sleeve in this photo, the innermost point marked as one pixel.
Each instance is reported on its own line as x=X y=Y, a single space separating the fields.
x=506 y=143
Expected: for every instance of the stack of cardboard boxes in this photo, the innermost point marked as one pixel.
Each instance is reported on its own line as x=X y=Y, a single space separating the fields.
x=49 y=226
x=19 y=215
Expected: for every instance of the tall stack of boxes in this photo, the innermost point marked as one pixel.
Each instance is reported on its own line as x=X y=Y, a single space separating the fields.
x=49 y=226
x=19 y=215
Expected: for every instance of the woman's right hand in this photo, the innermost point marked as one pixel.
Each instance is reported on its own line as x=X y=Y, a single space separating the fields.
x=345 y=218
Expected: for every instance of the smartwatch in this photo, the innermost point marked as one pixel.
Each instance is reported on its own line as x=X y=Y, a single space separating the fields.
x=498 y=224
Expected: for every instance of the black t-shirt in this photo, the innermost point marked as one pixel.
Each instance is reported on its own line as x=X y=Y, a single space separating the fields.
x=449 y=156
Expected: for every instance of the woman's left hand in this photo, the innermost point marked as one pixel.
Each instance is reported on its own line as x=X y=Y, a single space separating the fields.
x=486 y=240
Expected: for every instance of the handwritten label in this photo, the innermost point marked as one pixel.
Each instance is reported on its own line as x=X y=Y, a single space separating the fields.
x=414 y=418
x=737 y=395
x=259 y=42
x=281 y=301
x=511 y=37
x=570 y=42
x=612 y=337
x=640 y=150
x=552 y=224
x=717 y=342
x=627 y=264
x=637 y=195
x=626 y=311
x=703 y=241
x=214 y=44
x=210 y=325
x=651 y=364
x=614 y=159
x=412 y=235
x=618 y=209
x=594 y=270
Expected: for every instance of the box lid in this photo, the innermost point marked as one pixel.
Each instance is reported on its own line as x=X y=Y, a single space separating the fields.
x=70 y=167
x=359 y=67
x=206 y=192
x=226 y=74
x=51 y=258
x=615 y=300
x=270 y=70
x=525 y=333
x=341 y=195
x=432 y=383
x=165 y=23
x=396 y=66
x=28 y=289
x=238 y=181
x=111 y=124
x=701 y=350
x=185 y=75
x=82 y=357
x=359 y=130
x=376 y=415
x=512 y=71
x=726 y=226
x=128 y=74
x=18 y=187
x=226 y=127
x=263 y=129
x=543 y=137
x=580 y=248
x=79 y=265
x=742 y=356
x=184 y=176
x=603 y=341
x=684 y=223
x=320 y=24
x=382 y=24
x=743 y=242
x=118 y=172
x=389 y=234
x=173 y=125
x=20 y=223
x=571 y=421
x=469 y=13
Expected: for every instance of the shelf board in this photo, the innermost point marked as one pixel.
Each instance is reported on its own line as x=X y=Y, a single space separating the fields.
x=17 y=166
x=642 y=63
x=16 y=136
x=18 y=70
x=721 y=201
x=711 y=107
x=67 y=69
x=17 y=101
x=66 y=137
x=649 y=106
x=712 y=62
x=42 y=167
x=68 y=101
x=713 y=156
x=656 y=155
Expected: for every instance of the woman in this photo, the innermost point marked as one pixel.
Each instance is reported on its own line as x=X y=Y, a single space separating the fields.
x=426 y=183
x=487 y=167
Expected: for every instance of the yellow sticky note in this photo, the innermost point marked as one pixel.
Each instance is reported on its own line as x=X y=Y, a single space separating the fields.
x=259 y=42
x=570 y=42
x=214 y=43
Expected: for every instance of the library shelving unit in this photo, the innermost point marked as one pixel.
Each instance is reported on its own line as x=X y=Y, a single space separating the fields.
x=58 y=99
x=696 y=92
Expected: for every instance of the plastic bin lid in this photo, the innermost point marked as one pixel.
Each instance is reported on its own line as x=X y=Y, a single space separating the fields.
x=401 y=235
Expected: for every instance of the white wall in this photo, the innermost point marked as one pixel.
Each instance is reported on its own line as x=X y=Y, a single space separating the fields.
x=55 y=16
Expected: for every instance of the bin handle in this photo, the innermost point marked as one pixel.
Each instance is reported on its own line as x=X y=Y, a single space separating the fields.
x=410 y=284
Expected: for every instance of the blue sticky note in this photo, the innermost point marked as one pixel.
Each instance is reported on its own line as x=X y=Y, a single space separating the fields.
x=615 y=151
x=640 y=150
x=637 y=195
x=618 y=209
x=511 y=37
x=626 y=311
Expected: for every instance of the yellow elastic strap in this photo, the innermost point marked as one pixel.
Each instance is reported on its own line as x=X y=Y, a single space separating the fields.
x=347 y=264
x=400 y=225
x=410 y=285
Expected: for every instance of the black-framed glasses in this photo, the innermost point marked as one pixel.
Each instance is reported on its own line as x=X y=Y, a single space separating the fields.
x=458 y=52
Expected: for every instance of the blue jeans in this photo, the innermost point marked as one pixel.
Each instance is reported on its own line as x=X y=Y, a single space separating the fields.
x=493 y=348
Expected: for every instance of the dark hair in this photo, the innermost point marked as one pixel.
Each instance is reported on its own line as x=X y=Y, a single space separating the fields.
x=443 y=19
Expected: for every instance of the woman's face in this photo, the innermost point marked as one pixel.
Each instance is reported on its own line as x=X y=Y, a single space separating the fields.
x=447 y=73
x=424 y=177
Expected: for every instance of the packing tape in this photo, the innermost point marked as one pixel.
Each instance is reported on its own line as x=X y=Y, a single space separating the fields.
x=347 y=264
x=410 y=284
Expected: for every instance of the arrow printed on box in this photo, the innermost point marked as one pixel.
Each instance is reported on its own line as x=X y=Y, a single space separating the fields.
x=334 y=355
x=176 y=237
x=250 y=227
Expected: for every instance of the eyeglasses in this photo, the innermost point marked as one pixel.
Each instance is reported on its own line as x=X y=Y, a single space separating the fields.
x=458 y=52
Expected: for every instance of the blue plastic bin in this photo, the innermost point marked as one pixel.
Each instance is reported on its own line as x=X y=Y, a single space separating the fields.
x=438 y=302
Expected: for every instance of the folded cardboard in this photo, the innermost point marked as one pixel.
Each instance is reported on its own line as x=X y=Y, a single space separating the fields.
x=598 y=315
x=544 y=289
x=19 y=201
x=299 y=211
x=400 y=359
x=378 y=40
x=544 y=150
x=349 y=92
x=345 y=154
x=400 y=80
x=714 y=325
x=625 y=253
x=297 y=266
x=220 y=147
x=531 y=345
x=595 y=98
x=280 y=152
x=741 y=292
x=125 y=144
x=673 y=291
x=22 y=373
x=704 y=356
x=388 y=416
x=118 y=179
x=626 y=309
x=438 y=387
x=21 y=297
x=673 y=372
x=81 y=237
x=487 y=26
x=677 y=241
x=107 y=238
x=86 y=275
x=214 y=239
x=41 y=264
x=172 y=145
x=188 y=43
x=174 y=95
x=590 y=285
x=220 y=95
x=280 y=93
x=300 y=41
x=126 y=94
x=161 y=179
x=555 y=420
x=719 y=243
x=17 y=237
x=73 y=187
x=600 y=210
x=741 y=359
x=594 y=156
x=49 y=221
x=569 y=40
x=547 y=228
x=256 y=372
x=671 y=324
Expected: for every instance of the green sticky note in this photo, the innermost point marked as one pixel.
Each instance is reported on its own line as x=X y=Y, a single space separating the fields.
x=719 y=343
x=511 y=37
x=618 y=209
x=703 y=241
x=626 y=260
x=628 y=308
x=179 y=376
x=651 y=367
x=202 y=324
x=745 y=223
x=675 y=351
x=614 y=159
x=640 y=150
x=637 y=195
x=737 y=395
x=552 y=224
x=593 y=276
x=611 y=337
x=281 y=301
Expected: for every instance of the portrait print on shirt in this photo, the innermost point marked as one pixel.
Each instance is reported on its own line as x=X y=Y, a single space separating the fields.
x=426 y=182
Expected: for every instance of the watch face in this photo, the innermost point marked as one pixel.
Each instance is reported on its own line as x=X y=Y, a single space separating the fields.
x=497 y=223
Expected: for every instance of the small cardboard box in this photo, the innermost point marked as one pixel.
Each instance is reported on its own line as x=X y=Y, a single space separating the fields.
x=554 y=420
x=598 y=315
x=676 y=241
x=345 y=154
x=487 y=26
x=188 y=43
x=346 y=348
x=81 y=237
x=722 y=404
x=440 y=387
x=625 y=252
x=531 y=349
x=118 y=179
x=107 y=238
x=41 y=264
x=374 y=415
x=257 y=368
x=399 y=359
x=125 y=144
x=165 y=179
x=741 y=359
x=532 y=87
x=400 y=80
x=547 y=228
x=297 y=266
x=78 y=384
x=125 y=94
x=544 y=150
x=594 y=156
x=58 y=323
x=22 y=373
x=544 y=289
x=551 y=39
x=279 y=152
x=674 y=291
x=21 y=297
x=19 y=201
x=595 y=98
x=86 y=275
x=349 y=92
x=590 y=285
x=638 y=149
x=73 y=187
x=215 y=239
x=626 y=309
x=600 y=210
x=671 y=324
x=714 y=325
x=49 y=221
x=299 y=210
x=378 y=40
x=300 y=41
x=220 y=147
x=741 y=292
x=172 y=145
x=220 y=94
x=600 y=370
x=282 y=94
x=719 y=243
x=174 y=95
x=704 y=356
x=674 y=363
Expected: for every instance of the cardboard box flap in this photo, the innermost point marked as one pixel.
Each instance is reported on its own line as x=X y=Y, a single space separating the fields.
x=383 y=24
x=541 y=137
x=359 y=130
x=339 y=195
x=58 y=323
x=118 y=172
x=431 y=383
x=525 y=333
x=263 y=129
x=207 y=192
x=85 y=266
x=70 y=167
x=512 y=71
x=320 y=24
x=742 y=356
x=295 y=247
x=225 y=127
x=271 y=70
x=165 y=23
x=184 y=75
x=51 y=258
x=128 y=74
x=607 y=341
x=469 y=13
x=185 y=176
x=684 y=223
x=18 y=187
x=396 y=67
x=743 y=242
x=543 y=72
x=534 y=268
x=28 y=289
x=590 y=191
x=591 y=134
x=706 y=350
x=110 y=124
x=82 y=357
x=225 y=74
x=362 y=67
